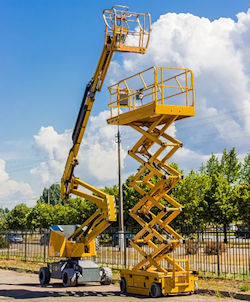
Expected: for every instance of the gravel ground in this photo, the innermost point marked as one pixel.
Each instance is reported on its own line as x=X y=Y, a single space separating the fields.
x=24 y=286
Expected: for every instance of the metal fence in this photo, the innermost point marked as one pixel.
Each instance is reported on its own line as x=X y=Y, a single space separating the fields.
x=206 y=250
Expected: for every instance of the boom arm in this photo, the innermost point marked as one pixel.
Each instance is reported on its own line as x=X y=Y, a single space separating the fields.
x=125 y=32
x=95 y=84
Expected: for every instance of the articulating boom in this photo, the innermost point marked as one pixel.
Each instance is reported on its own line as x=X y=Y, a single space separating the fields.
x=125 y=32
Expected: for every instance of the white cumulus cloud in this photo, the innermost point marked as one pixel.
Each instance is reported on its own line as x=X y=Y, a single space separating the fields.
x=97 y=155
x=12 y=192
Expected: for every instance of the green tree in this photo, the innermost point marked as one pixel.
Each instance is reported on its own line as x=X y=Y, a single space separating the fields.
x=242 y=198
x=2 y=217
x=51 y=195
x=230 y=166
x=225 y=177
x=212 y=166
x=190 y=193
x=245 y=170
x=73 y=211
x=221 y=207
x=76 y=211
x=41 y=216
x=16 y=219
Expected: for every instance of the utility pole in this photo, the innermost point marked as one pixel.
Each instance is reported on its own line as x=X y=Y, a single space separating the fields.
x=121 y=220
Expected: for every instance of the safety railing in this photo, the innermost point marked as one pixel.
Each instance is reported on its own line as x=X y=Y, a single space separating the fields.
x=131 y=29
x=171 y=86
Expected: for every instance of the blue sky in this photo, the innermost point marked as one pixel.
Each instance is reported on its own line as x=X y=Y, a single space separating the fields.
x=49 y=51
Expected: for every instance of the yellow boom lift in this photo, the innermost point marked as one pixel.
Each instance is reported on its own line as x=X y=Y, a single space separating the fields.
x=150 y=107
x=125 y=32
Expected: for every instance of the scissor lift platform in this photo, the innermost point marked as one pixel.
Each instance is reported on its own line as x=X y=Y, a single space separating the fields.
x=148 y=114
x=150 y=108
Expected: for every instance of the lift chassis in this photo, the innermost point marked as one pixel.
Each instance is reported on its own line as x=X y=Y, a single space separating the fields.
x=75 y=271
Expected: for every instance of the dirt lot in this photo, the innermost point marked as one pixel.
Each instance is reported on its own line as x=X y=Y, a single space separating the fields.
x=24 y=286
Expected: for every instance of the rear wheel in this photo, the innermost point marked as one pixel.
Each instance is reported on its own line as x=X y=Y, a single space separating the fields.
x=123 y=285
x=44 y=275
x=155 y=290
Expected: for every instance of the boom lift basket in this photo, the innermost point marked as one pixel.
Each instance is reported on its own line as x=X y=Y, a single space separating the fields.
x=131 y=30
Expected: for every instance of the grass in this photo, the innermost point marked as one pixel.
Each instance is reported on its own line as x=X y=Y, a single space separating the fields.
x=233 y=286
x=21 y=265
x=244 y=287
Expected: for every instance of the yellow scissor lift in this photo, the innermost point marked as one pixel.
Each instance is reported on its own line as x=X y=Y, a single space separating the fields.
x=151 y=108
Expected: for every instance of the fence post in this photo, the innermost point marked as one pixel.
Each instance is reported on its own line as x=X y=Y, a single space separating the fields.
x=25 y=247
x=125 y=250
x=8 y=253
x=44 y=246
x=218 y=251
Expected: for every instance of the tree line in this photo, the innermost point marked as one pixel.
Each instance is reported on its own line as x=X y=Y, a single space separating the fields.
x=216 y=194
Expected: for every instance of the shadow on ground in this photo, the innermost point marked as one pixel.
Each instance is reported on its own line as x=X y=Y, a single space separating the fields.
x=51 y=291
x=22 y=294
x=27 y=294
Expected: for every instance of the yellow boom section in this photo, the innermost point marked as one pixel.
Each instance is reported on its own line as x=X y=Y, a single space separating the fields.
x=125 y=32
x=150 y=107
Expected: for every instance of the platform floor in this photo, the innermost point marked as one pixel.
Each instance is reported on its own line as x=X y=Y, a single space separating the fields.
x=147 y=114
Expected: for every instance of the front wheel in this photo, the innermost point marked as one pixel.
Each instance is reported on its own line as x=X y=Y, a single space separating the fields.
x=123 y=285
x=155 y=290
x=44 y=275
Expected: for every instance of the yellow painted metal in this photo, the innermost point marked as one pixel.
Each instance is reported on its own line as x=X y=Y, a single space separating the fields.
x=125 y=32
x=148 y=99
x=57 y=243
x=60 y=247
x=121 y=24
x=152 y=107
x=139 y=282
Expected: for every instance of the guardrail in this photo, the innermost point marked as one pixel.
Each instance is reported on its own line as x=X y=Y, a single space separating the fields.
x=160 y=85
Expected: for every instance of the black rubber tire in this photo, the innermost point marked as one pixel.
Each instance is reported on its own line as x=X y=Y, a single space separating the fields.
x=155 y=290
x=123 y=286
x=44 y=275
x=69 y=277
x=106 y=276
